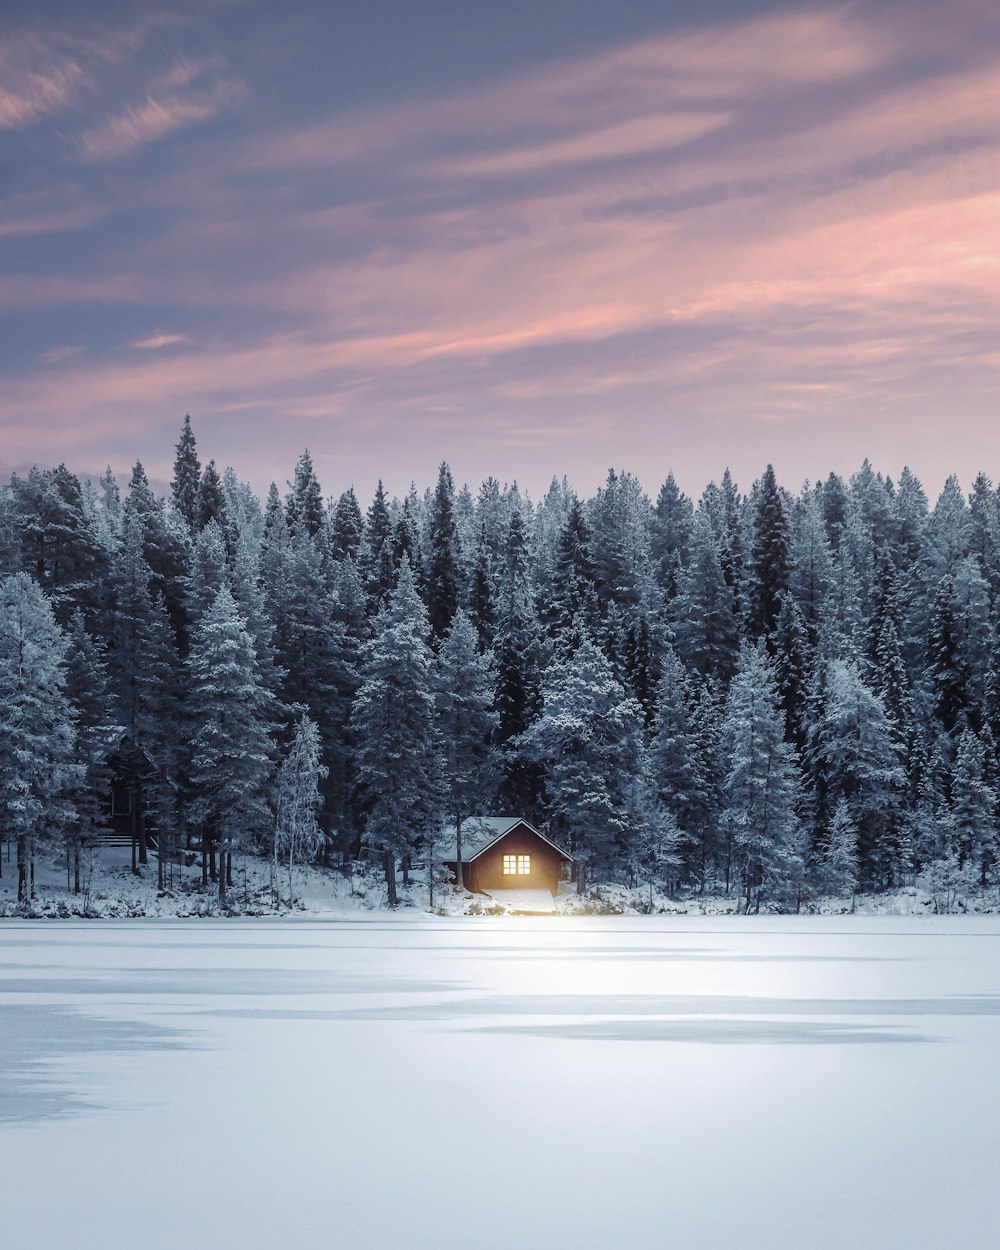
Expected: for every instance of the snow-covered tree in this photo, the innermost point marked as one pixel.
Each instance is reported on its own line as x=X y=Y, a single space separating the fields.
x=466 y=720
x=38 y=769
x=588 y=741
x=297 y=800
x=229 y=708
x=397 y=746
x=761 y=785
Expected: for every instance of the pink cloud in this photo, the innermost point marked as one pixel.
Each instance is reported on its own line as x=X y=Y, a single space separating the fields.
x=154 y=118
x=158 y=340
x=34 y=81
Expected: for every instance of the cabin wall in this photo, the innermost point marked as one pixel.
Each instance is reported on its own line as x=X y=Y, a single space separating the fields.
x=486 y=872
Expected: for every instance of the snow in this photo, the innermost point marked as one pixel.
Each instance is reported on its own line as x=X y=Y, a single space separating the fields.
x=555 y=1082
x=536 y=902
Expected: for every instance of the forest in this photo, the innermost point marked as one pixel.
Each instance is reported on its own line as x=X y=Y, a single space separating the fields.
x=769 y=696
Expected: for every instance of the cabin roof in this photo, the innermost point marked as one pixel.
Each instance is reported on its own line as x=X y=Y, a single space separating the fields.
x=479 y=833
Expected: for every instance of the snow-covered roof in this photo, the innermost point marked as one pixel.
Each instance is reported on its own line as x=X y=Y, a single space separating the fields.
x=480 y=832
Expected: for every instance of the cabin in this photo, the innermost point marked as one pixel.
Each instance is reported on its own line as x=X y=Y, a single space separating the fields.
x=509 y=860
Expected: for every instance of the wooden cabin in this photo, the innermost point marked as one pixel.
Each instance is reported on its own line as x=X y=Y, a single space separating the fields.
x=509 y=860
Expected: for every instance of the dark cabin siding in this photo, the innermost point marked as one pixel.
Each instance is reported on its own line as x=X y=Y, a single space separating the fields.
x=486 y=871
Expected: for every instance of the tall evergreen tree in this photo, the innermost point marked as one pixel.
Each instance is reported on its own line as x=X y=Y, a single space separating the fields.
x=466 y=720
x=305 y=503
x=297 y=801
x=770 y=556
x=38 y=770
x=231 y=745
x=588 y=739
x=442 y=572
x=185 y=487
x=397 y=750
x=761 y=782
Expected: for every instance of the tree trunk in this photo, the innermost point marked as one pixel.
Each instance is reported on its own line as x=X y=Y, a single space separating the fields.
x=221 y=875
x=141 y=821
x=76 y=867
x=133 y=818
x=22 y=868
x=459 y=867
x=390 y=879
x=406 y=871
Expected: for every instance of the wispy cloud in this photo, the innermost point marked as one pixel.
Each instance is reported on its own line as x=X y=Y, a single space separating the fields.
x=160 y=114
x=56 y=355
x=780 y=223
x=25 y=224
x=159 y=339
x=34 y=80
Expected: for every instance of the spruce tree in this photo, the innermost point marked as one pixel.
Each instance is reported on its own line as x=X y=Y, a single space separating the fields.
x=588 y=739
x=466 y=720
x=397 y=747
x=89 y=696
x=38 y=769
x=770 y=556
x=305 y=503
x=442 y=572
x=346 y=527
x=853 y=745
x=297 y=801
x=185 y=487
x=211 y=498
x=761 y=782
x=231 y=745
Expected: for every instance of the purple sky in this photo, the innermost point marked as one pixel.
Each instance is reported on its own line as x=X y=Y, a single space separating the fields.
x=530 y=238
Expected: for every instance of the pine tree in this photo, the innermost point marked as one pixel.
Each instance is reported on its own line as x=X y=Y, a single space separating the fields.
x=185 y=487
x=855 y=751
x=466 y=720
x=588 y=739
x=770 y=557
x=346 y=527
x=231 y=744
x=397 y=756
x=297 y=801
x=761 y=782
x=655 y=839
x=482 y=612
x=793 y=671
x=211 y=498
x=973 y=807
x=672 y=525
x=572 y=611
x=38 y=770
x=706 y=629
x=946 y=668
x=836 y=873
x=305 y=503
x=442 y=572
x=377 y=562
x=89 y=696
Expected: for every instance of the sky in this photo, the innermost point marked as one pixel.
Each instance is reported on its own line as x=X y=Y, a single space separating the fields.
x=534 y=238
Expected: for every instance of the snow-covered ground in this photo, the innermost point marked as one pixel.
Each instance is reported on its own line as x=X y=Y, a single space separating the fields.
x=542 y=1083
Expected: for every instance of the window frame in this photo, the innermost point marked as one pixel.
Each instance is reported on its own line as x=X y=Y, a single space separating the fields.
x=517 y=864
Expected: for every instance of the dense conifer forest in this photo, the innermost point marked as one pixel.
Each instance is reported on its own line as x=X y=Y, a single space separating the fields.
x=769 y=695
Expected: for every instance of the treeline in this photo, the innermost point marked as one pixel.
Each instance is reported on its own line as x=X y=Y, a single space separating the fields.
x=775 y=695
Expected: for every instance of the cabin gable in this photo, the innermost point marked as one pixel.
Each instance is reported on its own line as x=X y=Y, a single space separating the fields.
x=520 y=858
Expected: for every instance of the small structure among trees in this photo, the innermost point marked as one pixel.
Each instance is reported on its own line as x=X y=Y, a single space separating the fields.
x=509 y=860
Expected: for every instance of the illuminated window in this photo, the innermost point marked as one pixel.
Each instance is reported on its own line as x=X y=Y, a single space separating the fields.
x=517 y=865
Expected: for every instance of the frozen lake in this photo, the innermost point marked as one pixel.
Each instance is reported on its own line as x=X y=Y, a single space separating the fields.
x=555 y=1083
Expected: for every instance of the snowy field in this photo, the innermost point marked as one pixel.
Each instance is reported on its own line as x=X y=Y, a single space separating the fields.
x=397 y=1082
